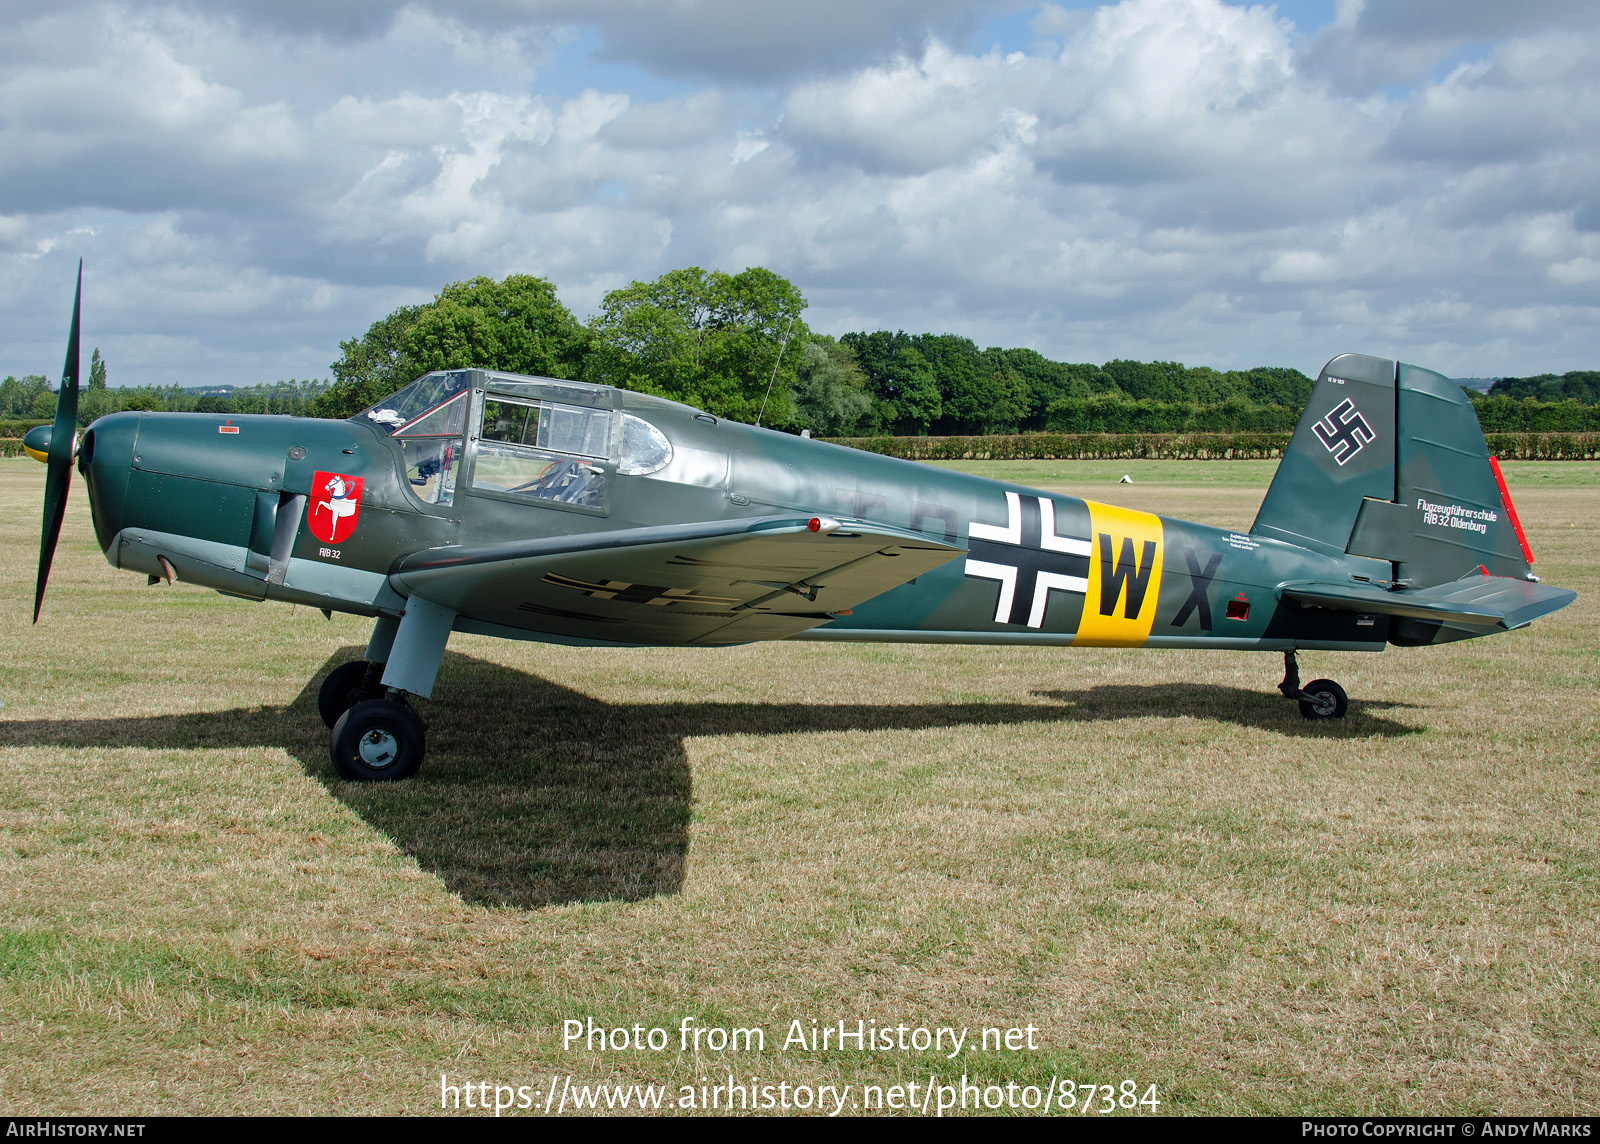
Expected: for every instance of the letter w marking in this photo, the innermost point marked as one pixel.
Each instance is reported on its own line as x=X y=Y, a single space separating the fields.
x=1113 y=577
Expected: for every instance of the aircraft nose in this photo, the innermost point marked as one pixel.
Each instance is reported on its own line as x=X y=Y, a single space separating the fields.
x=105 y=458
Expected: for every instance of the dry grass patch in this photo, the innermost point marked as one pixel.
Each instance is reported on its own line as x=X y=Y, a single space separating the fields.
x=1148 y=855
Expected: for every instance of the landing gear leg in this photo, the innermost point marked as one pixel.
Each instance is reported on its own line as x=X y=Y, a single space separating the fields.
x=1291 y=676
x=1319 y=699
x=360 y=679
x=378 y=737
x=348 y=684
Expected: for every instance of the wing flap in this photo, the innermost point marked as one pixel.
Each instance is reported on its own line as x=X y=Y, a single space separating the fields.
x=712 y=583
x=1479 y=601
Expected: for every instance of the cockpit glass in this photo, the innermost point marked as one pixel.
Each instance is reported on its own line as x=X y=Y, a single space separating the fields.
x=444 y=420
x=428 y=417
x=544 y=450
x=507 y=420
x=402 y=411
x=645 y=449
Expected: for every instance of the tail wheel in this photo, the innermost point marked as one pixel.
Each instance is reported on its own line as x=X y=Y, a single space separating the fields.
x=1323 y=699
x=342 y=690
x=378 y=740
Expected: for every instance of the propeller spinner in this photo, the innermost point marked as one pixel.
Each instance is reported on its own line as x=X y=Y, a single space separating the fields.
x=58 y=456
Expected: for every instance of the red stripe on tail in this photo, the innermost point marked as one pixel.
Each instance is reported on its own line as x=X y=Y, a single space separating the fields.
x=1511 y=509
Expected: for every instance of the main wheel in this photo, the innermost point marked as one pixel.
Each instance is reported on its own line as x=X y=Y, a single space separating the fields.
x=342 y=690
x=1323 y=699
x=378 y=740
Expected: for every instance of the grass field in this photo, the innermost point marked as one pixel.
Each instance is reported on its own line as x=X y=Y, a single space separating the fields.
x=1147 y=856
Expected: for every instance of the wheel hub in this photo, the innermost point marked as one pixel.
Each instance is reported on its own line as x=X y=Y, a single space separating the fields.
x=378 y=748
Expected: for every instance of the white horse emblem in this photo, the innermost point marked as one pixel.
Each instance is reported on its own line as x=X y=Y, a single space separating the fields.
x=339 y=503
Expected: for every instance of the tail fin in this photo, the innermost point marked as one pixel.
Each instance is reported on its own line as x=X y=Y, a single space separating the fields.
x=1388 y=462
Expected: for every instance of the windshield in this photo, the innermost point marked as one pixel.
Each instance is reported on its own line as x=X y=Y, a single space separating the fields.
x=401 y=411
x=427 y=416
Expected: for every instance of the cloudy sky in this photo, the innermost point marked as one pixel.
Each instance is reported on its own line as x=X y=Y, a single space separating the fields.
x=248 y=183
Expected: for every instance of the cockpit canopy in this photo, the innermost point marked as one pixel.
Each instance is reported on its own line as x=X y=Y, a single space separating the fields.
x=532 y=437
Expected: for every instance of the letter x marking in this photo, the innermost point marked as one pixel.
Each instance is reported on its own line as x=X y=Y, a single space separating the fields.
x=1199 y=584
x=1028 y=559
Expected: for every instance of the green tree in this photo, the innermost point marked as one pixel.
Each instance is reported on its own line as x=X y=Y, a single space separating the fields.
x=517 y=325
x=144 y=398
x=705 y=338
x=96 y=400
x=1577 y=385
x=1277 y=385
x=34 y=385
x=830 y=391
x=13 y=398
x=876 y=354
x=371 y=367
x=1153 y=381
x=1045 y=380
x=1013 y=403
x=95 y=404
x=911 y=395
x=967 y=392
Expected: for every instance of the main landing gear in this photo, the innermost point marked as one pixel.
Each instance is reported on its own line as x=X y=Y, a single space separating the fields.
x=1319 y=699
x=346 y=685
x=377 y=737
x=379 y=740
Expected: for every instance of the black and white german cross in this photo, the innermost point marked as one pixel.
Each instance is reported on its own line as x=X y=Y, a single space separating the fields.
x=1028 y=559
x=1344 y=431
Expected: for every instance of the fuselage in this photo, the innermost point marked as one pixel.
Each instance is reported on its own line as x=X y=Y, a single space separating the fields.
x=318 y=512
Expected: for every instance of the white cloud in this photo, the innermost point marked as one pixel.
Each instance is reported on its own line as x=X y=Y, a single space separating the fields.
x=1301 y=266
x=1373 y=44
x=1168 y=178
x=670 y=123
x=403 y=122
x=908 y=117
x=744 y=41
x=757 y=41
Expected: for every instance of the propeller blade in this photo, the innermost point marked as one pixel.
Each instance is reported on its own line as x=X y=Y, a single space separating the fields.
x=63 y=436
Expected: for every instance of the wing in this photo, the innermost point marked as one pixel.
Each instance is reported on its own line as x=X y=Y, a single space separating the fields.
x=1478 y=601
x=719 y=582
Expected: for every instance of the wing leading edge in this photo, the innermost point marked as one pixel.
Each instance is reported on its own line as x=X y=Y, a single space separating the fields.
x=718 y=582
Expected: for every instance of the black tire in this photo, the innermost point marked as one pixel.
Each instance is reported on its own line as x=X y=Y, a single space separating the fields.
x=1323 y=699
x=342 y=690
x=378 y=740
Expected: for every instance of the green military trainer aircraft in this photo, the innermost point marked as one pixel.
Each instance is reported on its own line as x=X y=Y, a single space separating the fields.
x=534 y=508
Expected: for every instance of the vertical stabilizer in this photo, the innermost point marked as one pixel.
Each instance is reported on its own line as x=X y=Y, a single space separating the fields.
x=1388 y=463
x=1342 y=451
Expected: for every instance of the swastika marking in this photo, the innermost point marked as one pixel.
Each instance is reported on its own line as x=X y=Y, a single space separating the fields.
x=1343 y=432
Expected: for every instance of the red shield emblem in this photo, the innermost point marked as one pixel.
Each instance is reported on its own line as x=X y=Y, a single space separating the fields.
x=335 y=506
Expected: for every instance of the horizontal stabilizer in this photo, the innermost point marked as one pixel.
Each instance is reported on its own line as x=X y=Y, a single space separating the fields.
x=1477 y=601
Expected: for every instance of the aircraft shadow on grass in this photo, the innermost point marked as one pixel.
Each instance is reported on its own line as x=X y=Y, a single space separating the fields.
x=538 y=795
x=1263 y=710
